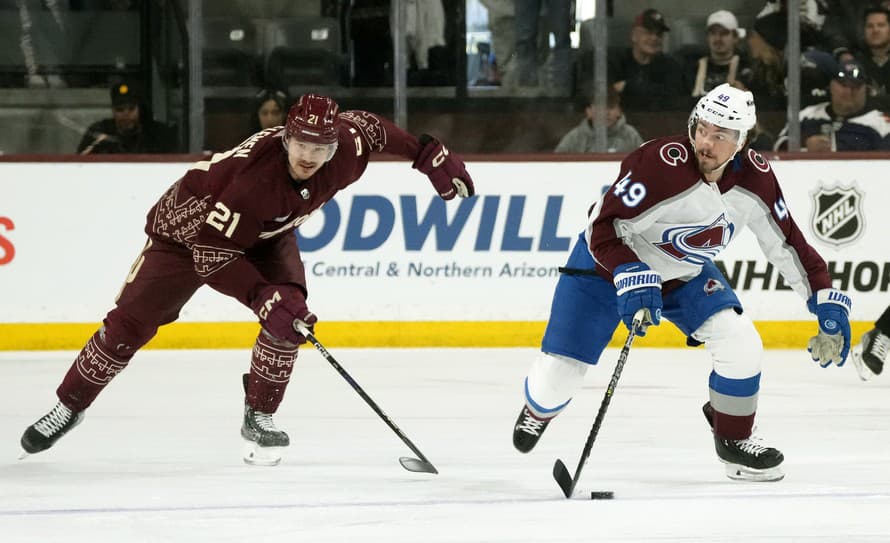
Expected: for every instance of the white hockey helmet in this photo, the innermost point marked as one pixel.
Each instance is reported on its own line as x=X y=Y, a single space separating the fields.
x=727 y=107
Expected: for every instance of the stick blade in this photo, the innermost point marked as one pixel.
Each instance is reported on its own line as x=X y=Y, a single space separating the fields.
x=563 y=478
x=416 y=465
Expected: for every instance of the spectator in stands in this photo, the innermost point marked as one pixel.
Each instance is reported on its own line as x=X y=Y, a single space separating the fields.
x=130 y=128
x=269 y=109
x=722 y=64
x=874 y=58
x=647 y=79
x=559 y=73
x=846 y=122
x=620 y=136
x=766 y=76
x=843 y=27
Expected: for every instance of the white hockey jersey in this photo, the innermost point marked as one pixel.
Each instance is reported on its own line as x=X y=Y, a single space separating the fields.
x=662 y=212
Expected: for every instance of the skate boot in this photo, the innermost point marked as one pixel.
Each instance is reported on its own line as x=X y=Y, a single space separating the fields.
x=870 y=354
x=263 y=441
x=44 y=433
x=528 y=430
x=746 y=459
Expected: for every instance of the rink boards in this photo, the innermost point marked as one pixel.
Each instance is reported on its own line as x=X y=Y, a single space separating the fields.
x=390 y=264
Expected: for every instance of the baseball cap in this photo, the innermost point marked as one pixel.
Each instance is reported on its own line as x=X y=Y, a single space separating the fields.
x=850 y=72
x=123 y=94
x=723 y=18
x=653 y=20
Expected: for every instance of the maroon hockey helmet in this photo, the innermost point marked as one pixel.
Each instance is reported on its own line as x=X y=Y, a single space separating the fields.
x=313 y=119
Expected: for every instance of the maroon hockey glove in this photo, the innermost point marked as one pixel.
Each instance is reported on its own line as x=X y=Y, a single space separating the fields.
x=446 y=170
x=280 y=308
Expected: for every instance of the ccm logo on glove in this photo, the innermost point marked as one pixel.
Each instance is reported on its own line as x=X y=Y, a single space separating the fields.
x=280 y=308
x=267 y=305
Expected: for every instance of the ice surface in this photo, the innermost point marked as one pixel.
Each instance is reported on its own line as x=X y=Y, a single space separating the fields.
x=157 y=458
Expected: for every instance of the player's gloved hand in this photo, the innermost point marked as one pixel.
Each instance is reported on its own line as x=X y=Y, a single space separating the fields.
x=279 y=307
x=638 y=287
x=446 y=171
x=832 y=343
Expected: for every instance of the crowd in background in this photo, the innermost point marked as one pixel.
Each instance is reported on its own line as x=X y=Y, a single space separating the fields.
x=845 y=73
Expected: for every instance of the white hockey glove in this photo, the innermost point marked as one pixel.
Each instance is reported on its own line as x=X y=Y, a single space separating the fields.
x=832 y=343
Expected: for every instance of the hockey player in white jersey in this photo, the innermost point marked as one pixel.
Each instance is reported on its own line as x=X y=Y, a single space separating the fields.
x=650 y=243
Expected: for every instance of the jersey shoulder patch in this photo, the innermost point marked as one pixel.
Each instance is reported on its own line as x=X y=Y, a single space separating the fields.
x=368 y=125
x=757 y=160
x=665 y=159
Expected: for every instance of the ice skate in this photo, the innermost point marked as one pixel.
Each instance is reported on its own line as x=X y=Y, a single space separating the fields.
x=44 y=433
x=263 y=442
x=528 y=430
x=746 y=459
x=870 y=354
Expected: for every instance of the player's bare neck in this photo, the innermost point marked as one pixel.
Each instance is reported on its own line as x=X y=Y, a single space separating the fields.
x=713 y=177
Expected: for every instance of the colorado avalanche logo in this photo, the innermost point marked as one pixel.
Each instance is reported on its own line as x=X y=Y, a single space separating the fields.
x=697 y=244
x=837 y=215
x=673 y=153
x=758 y=161
x=713 y=286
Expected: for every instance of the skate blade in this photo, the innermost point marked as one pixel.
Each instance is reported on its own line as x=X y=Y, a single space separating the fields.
x=737 y=472
x=864 y=371
x=25 y=454
x=255 y=455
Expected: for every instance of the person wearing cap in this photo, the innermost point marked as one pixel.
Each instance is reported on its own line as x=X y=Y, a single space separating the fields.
x=229 y=223
x=647 y=79
x=723 y=63
x=846 y=122
x=765 y=77
x=621 y=137
x=129 y=130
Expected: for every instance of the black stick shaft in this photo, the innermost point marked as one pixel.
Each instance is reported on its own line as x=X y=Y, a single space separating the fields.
x=560 y=473
x=361 y=392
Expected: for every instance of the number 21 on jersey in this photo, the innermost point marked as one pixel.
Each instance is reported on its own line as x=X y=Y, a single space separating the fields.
x=631 y=193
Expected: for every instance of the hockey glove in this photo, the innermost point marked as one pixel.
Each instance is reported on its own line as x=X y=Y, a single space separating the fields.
x=638 y=287
x=280 y=308
x=832 y=343
x=446 y=171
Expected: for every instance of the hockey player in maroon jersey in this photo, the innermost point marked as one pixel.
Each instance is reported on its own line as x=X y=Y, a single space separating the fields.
x=650 y=244
x=229 y=223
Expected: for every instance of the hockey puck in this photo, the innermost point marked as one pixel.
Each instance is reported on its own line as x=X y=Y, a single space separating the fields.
x=602 y=495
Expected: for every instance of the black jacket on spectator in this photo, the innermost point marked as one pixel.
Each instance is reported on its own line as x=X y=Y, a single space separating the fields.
x=153 y=137
x=878 y=77
x=867 y=130
x=651 y=87
x=844 y=24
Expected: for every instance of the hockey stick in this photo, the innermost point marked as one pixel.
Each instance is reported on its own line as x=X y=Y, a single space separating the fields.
x=560 y=472
x=410 y=464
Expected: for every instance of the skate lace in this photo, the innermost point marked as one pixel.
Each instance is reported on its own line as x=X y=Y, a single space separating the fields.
x=753 y=445
x=53 y=421
x=530 y=425
x=264 y=421
x=880 y=346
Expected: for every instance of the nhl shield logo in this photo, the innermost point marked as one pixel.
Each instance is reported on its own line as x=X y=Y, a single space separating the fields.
x=837 y=215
